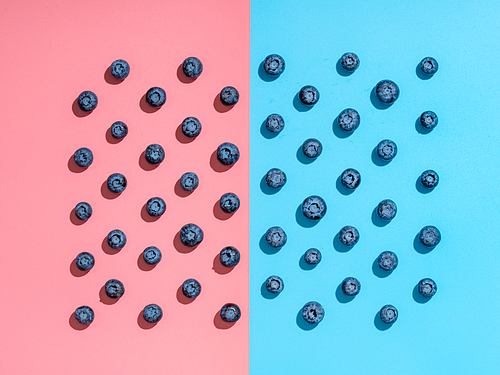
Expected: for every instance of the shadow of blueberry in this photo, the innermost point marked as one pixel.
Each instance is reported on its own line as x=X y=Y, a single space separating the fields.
x=302 y=324
x=74 y=219
x=219 y=268
x=341 y=71
x=266 y=133
x=421 y=188
x=377 y=160
x=143 y=104
x=221 y=324
x=179 y=191
x=181 y=137
x=181 y=297
x=75 y=324
x=144 y=164
x=302 y=158
x=339 y=246
x=110 y=139
x=304 y=265
x=75 y=271
x=341 y=188
x=219 y=107
x=376 y=220
x=142 y=323
x=302 y=220
x=73 y=167
x=216 y=165
x=266 y=248
x=417 y=297
x=339 y=133
x=419 y=247
x=141 y=263
x=77 y=111
x=264 y=76
x=107 y=249
x=266 y=293
x=376 y=102
x=179 y=246
x=379 y=272
x=379 y=324
x=182 y=77
x=219 y=214
x=108 y=77
x=419 y=128
x=266 y=189
x=299 y=106
x=147 y=217
x=103 y=297
x=421 y=74
x=341 y=297
x=106 y=193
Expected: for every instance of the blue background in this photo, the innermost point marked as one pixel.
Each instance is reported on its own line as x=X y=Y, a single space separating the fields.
x=457 y=331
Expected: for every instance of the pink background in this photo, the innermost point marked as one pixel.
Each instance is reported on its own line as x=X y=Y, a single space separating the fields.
x=53 y=50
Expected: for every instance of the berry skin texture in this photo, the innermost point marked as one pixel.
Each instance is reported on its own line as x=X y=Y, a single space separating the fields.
x=429 y=236
x=229 y=256
x=191 y=288
x=230 y=312
x=229 y=96
x=191 y=127
x=154 y=154
x=312 y=256
x=428 y=66
x=119 y=130
x=116 y=239
x=313 y=312
x=349 y=61
x=156 y=206
x=120 y=69
x=83 y=211
x=192 y=67
x=387 y=150
x=387 y=210
x=349 y=120
x=349 y=236
x=151 y=255
x=152 y=313
x=227 y=153
x=387 y=91
x=388 y=261
x=189 y=181
x=276 y=237
x=191 y=235
x=83 y=157
x=116 y=183
x=309 y=95
x=312 y=148
x=229 y=203
x=429 y=179
x=314 y=207
x=85 y=261
x=428 y=120
x=275 y=123
x=275 y=178
x=388 y=314
x=427 y=288
x=87 y=101
x=274 y=284
x=84 y=315
x=114 y=288
x=350 y=178
x=274 y=65
x=156 y=97
x=351 y=286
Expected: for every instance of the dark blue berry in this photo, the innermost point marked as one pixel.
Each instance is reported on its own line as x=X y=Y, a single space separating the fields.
x=312 y=148
x=275 y=123
x=229 y=203
x=274 y=284
x=314 y=207
x=152 y=313
x=83 y=210
x=274 y=65
x=119 y=130
x=116 y=239
x=309 y=95
x=156 y=206
x=192 y=67
x=156 y=97
x=388 y=314
x=114 y=288
x=387 y=210
x=229 y=96
x=155 y=154
x=227 y=153
x=349 y=61
x=427 y=288
x=428 y=120
x=351 y=286
x=84 y=315
x=116 y=183
x=275 y=178
x=313 y=312
x=349 y=236
x=349 y=120
x=429 y=236
x=429 y=179
x=191 y=288
x=83 y=157
x=350 y=178
x=87 y=101
x=120 y=69
x=191 y=127
x=191 y=235
x=388 y=261
x=229 y=256
x=85 y=261
x=151 y=255
x=189 y=181
x=387 y=149
x=276 y=237
x=387 y=91
x=230 y=312
x=312 y=256
x=428 y=65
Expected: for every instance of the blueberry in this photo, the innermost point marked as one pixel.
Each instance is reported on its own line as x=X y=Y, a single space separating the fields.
x=349 y=61
x=116 y=183
x=154 y=154
x=276 y=237
x=83 y=157
x=156 y=97
x=120 y=69
x=228 y=154
x=349 y=236
x=312 y=256
x=229 y=203
x=116 y=239
x=83 y=210
x=191 y=127
x=229 y=96
x=351 y=286
x=309 y=95
x=350 y=178
x=275 y=123
x=151 y=255
x=191 y=235
x=387 y=149
x=156 y=206
x=114 y=288
x=274 y=65
x=429 y=236
x=152 y=313
x=427 y=288
x=84 y=315
x=119 y=130
x=275 y=178
x=387 y=91
x=429 y=179
x=428 y=65
x=312 y=148
x=388 y=261
x=349 y=120
x=230 y=312
x=191 y=288
x=87 y=101
x=229 y=256
x=313 y=312
x=274 y=284
x=85 y=261
x=189 y=181
x=387 y=210
x=314 y=207
x=428 y=120
x=388 y=314
x=192 y=67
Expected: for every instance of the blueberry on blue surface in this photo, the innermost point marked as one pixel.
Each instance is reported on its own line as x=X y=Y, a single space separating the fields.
x=275 y=123
x=156 y=97
x=349 y=61
x=312 y=148
x=350 y=178
x=229 y=256
x=387 y=210
x=83 y=210
x=156 y=206
x=388 y=261
x=349 y=120
x=351 y=286
x=151 y=255
x=429 y=236
x=230 y=312
x=229 y=96
x=313 y=312
x=429 y=65
x=387 y=91
x=191 y=127
x=314 y=207
x=312 y=256
x=275 y=178
x=427 y=288
x=309 y=95
x=84 y=315
x=192 y=67
x=87 y=101
x=191 y=288
x=120 y=69
x=229 y=203
x=191 y=235
x=428 y=120
x=276 y=237
x=83 y=157
x=274 y=65
x=114 y=288
x=85 y=261
x=388 y=314
x=387 y=149
x=116 y=239
x=274 y=284
x=116 y=183
x=154 y=154
x=228 y=153
x=152 y=313
x=119 y=130
x=189 y=181
x=429 y=179
x=349 y=236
